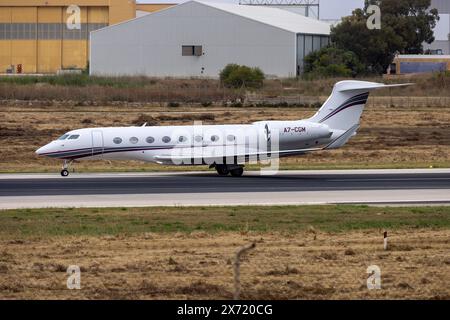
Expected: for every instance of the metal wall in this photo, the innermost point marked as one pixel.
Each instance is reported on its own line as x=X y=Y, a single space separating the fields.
x=152 y=45
x=442 y=5
x=34 y=33
x=39 y=40
x=420 y=67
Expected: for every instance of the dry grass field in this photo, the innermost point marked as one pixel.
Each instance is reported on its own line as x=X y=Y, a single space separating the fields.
x=389 y=137
x=86 y=90
x=319 y=252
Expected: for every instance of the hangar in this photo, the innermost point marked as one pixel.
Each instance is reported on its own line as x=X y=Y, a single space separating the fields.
x=36 y=36
x=196 y=38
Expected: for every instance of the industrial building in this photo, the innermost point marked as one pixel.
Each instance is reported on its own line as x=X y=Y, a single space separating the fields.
x=419 y=63
x=199 y=38
x=45 y=36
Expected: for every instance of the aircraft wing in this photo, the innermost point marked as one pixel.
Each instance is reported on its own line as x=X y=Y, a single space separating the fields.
x=218 y=154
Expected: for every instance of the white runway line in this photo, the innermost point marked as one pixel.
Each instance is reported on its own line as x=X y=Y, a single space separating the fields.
x=56 y=175
x=373 y=197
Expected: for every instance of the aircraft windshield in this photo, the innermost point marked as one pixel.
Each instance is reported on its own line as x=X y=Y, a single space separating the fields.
x=63 y=137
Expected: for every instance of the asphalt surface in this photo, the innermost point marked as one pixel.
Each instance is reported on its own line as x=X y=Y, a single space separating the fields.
x=209 y=182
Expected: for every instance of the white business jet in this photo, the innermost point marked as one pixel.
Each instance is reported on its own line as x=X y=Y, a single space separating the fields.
x=224 y=147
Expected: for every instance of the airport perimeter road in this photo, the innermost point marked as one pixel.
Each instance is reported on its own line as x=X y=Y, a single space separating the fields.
x=206 y=188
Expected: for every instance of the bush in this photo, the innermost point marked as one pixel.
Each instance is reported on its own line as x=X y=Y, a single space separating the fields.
x=236 y=76
x=333 y=62
x=173 y=104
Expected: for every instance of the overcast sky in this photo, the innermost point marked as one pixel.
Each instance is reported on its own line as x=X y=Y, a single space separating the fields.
x=329 y=9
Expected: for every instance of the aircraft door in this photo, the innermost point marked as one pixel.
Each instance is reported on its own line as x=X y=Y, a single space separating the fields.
x=97 y=142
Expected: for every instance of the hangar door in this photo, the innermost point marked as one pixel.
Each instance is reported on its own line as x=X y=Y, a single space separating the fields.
x=306 y=44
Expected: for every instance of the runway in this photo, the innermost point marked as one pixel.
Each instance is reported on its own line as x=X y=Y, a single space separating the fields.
x=429 y=186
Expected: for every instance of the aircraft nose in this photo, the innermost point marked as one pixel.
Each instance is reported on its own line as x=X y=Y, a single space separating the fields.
x=42 y=150
x=39 y=151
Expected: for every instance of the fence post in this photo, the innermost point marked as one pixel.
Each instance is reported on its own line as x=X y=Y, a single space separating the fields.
x=237 y=268
x=385 y=240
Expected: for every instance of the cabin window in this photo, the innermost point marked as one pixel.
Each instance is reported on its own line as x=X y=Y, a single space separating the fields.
x=231 y=138
x=182 y=139
x=117 y=140
x=150 y=139
x=63 y=137
x=166 y=139
x=74 y=137
x=198 y=138
x=214 y=138
x=134 y=140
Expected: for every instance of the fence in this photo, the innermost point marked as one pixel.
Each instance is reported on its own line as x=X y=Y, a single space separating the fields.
x=374 y=101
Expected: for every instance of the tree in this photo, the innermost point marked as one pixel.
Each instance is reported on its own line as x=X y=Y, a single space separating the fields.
x=333 y=62
x=405 y=25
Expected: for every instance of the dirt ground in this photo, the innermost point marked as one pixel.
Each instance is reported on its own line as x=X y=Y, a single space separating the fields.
x=389 y=136
x=304 y=265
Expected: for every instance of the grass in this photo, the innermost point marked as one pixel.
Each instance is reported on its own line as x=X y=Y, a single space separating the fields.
x=80 y=80
x=83 y=89
x=187 y=253
x=44 y=223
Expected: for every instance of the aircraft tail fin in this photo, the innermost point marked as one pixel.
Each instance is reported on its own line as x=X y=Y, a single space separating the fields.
x=343 y=109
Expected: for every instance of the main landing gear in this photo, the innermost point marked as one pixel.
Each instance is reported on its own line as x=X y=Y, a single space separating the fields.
x=65 y=168
x=234 y=170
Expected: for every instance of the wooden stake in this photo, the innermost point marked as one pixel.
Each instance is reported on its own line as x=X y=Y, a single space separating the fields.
x=237 y=268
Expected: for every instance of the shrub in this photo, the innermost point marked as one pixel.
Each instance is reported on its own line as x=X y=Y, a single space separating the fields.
x=87 y=121
x=144 y=118
x=333 y=62
x=237 y=76
x=173 y=104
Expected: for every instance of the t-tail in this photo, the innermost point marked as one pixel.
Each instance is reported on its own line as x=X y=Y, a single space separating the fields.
x=343 y=109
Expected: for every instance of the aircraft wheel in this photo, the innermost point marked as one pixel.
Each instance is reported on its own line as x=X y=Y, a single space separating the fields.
x=222 y=170
x=237 y=172
x=64 y=172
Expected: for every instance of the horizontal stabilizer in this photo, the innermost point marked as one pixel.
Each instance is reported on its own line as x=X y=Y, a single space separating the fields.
x=365 y=85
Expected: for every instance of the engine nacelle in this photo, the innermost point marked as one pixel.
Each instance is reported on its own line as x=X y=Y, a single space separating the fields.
x=290 y=131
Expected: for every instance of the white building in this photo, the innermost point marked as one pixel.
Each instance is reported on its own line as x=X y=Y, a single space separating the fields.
x=442 y=30
x=199 y=38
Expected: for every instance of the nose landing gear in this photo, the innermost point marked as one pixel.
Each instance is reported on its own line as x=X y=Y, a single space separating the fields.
x=65 y=168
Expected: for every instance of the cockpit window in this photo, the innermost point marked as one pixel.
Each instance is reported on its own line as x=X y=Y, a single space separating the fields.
x=73 y=137
x=63 y=137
